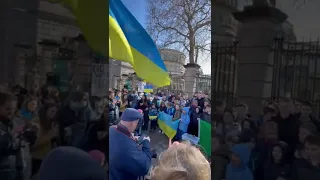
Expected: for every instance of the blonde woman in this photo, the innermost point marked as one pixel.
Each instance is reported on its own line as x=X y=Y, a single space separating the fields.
x=182 y=161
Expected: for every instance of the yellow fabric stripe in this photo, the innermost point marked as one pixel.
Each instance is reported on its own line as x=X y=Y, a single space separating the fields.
x=152 y=117
x=119 y=47
x=148 y=90
x=158 y=77
x=168 y=131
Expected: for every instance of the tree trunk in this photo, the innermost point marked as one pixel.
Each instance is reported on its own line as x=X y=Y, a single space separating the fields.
x=192 y=48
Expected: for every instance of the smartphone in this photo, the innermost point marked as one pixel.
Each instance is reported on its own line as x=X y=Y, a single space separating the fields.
x=140 y=139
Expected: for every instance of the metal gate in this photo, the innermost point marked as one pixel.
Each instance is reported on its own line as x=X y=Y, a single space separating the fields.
x=296 y=70
x=224 y=72
x=203 y=83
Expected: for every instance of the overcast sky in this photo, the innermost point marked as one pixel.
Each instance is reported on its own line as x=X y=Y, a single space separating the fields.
x=303 y=16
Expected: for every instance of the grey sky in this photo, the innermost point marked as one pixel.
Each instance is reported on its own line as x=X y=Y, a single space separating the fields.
x=305 y=18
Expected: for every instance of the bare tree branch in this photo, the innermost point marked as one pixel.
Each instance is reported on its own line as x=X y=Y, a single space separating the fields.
x=182 y=23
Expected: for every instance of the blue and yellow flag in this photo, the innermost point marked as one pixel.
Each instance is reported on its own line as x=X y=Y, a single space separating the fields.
x=148 y=88
x=128 y=40
x=168 y=126
x=142 y=52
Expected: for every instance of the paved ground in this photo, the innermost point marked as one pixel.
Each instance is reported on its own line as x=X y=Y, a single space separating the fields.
x=159 y=142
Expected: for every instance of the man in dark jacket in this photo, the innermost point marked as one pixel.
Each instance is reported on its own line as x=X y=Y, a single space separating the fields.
x=288 y=127
x=126 y=158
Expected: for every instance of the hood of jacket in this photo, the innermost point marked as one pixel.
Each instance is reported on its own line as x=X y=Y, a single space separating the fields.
x=243 y=152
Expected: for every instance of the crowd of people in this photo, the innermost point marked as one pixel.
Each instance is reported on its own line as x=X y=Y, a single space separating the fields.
x=45 y=137
x=282 y=144
x=138 y=114
x=181 y=107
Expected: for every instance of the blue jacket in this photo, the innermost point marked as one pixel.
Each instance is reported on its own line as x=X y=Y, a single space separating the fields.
x=170 y=111
x=185 y=120
x=240 y=172
x=127 y=160
x=26 y=114
x=153 y=112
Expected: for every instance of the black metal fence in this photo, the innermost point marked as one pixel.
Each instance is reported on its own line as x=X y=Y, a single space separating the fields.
x=224 y=72
x=203 y=83
x=296 y=70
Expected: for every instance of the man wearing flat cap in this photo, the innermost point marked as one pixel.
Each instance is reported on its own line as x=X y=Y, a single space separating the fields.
x=127 y=160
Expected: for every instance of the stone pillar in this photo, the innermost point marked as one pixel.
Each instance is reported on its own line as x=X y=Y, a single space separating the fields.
x=255 y=65
x=22 y=54
x=190 y=77
x=81 y=68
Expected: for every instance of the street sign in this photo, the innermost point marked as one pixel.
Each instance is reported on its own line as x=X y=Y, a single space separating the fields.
x=99 y=83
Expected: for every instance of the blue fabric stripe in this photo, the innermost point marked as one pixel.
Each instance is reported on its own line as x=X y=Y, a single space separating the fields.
x=134 y=32
x=167 y=119
x=111 y=14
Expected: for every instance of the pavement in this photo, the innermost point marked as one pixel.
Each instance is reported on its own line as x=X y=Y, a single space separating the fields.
x=159 y=142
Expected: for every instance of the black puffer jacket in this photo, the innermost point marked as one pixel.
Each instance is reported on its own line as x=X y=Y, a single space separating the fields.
x=8 y=152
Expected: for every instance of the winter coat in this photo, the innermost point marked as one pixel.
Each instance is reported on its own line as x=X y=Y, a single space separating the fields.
x=241 y=171
x=184 y=120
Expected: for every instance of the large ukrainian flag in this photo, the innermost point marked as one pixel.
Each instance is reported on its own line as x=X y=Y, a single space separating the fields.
x=168 y=126
x=128 y=41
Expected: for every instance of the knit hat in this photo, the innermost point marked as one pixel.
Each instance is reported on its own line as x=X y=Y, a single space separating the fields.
x=131 y=114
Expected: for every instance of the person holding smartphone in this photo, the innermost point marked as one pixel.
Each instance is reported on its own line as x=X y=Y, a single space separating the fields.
x=127 y=159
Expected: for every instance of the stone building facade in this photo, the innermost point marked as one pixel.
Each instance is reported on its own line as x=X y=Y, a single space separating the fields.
x=37 y=34
x=222 y=19
x=174 y=61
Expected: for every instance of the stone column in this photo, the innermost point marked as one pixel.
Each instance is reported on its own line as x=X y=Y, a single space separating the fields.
x=190 y=77
x=255 y=64
x=22 y=53
x=81 y=70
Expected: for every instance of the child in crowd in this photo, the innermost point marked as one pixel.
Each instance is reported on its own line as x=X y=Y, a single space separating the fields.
x=177 y=114
x=274 y=167
x=238 y=169
x=170 y=109
x=163 y=107
x=153 y=116
x=206 y=115
x=184 y=123
x=304 y=130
